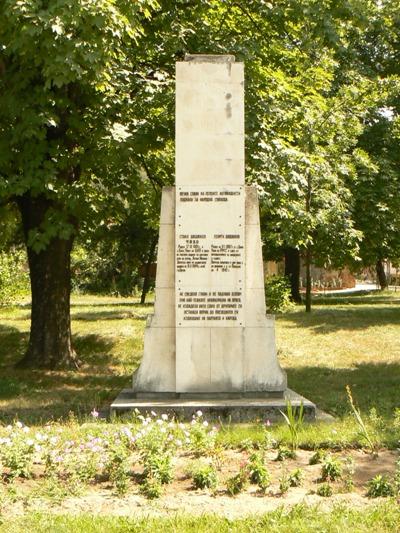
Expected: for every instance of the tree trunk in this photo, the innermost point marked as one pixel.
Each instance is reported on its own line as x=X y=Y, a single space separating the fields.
x=308 y=280
x=380 y=272
x=147 y=272
x=50 y=343
x=292 y=271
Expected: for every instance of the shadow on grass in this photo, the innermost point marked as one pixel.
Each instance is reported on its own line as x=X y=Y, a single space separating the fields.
x=353 y=318
x=37 y=396
x=373 y=386
x=357 y=298
x=13 y=343
x=107 y=315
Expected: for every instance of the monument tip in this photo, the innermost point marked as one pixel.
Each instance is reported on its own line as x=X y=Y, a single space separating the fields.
x=210 y=58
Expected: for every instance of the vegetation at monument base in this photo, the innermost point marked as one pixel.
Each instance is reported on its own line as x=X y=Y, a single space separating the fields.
x=62 y=454
x=86 y=132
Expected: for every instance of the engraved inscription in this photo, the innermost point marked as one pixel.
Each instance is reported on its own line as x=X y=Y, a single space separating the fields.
x=209 y=256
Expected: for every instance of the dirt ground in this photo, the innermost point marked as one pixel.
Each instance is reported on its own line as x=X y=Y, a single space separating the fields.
x=180 y=496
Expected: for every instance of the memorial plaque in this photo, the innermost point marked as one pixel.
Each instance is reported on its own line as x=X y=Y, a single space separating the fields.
x=209 y=256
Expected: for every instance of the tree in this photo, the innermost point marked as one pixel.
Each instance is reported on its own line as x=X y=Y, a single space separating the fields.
x=310 y=105
x=376 y=189
x=65 y=81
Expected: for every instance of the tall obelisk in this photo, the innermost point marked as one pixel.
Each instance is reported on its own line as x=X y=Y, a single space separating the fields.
x=209 y=333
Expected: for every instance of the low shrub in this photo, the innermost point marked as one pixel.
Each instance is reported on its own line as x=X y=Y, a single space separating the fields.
x=204 y=476
x=331 y=469
x=380 y=485
x=277 y=294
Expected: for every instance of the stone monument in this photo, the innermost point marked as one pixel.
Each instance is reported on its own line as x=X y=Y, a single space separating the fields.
x=209 y=338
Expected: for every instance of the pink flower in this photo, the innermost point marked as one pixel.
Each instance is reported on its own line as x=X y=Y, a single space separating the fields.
x=94 y=413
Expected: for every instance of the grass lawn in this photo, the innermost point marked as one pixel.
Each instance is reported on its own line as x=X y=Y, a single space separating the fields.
x=300 y=519
x=345 y=341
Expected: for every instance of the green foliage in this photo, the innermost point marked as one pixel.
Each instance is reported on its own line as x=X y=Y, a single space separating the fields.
x=258 y=472
x=285 y=453
x=317 y=457
x=325 y=490
x=14 y=278
x=277 y=294
x=348 y=473
x=204 y=476
x=296 y=477
x=380 y=486
x=117 y=467
x=284 y=483
x=237 y=483
x=17 y=452
x=151 y=488
x=331 y=469
x=294 y=418
x=363 y=431
x=202 y=438
x=158 y=466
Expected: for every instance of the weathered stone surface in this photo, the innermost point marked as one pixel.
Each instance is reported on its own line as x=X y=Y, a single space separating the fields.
x=230 y=408
x=210 y=333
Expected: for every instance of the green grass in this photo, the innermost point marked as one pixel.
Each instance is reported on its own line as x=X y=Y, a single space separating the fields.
x=108 y=336
x=345 y=340
x=299 y=519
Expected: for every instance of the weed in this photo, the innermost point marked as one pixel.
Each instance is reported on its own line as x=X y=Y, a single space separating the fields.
x=317 y=457
x=396 y=479
x=204 y=476
x=17 y=451
x=380 y=485
x=296 y=477
x=284 y=453
x=238 y=482
x=158 y=466
x=151 y=488
x=117 y=468
x=325 y=490
x=284 y=483
x=331 y=469
x=294 y=418
x=348 y=473
x=258 y=472
x=201 y=437
x=363 y=431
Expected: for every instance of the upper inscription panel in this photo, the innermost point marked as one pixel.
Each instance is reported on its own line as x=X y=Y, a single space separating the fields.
x=209 y=256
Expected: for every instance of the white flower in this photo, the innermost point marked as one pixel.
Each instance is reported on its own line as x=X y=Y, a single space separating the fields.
x=163 y=430
x=19 y=424
x=153 y=413
x=205 y=423
x=199 y=413
x=30 y=442
x=159 y=421
x=37 y=447
x=25 y=429
x=181 y=426
x=178 y=442
x=164 y=416
x=53 y=440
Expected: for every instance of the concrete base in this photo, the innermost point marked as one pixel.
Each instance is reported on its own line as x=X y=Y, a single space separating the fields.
x=214 y=407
